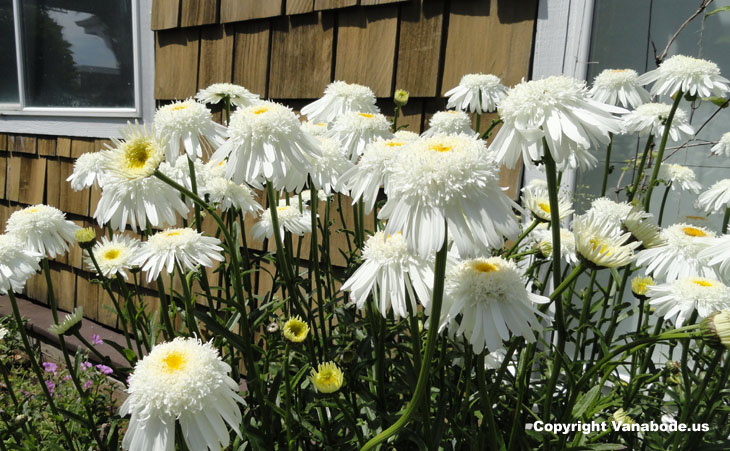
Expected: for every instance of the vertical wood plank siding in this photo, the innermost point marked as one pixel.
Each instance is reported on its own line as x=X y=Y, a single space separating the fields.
x=287 y=51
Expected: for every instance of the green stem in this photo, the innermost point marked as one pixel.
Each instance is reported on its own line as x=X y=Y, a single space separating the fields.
x=522 y=236
x=422 y=384
x=494 y=436
x=662 y=146
x=289 y=442
x=664 y=203
x=396 y=113
x=607 y=167
x=640 y=169
x=725 y=220
x=488 y=132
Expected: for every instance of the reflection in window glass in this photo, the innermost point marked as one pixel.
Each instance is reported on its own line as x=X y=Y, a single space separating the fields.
x=9 y=73
x=78 y=53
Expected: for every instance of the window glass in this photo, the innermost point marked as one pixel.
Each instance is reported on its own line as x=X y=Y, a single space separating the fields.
x=625 y=33
x=9 y=73
x=78 y=53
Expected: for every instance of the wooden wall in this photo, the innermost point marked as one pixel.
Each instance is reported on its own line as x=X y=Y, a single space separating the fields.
x=286 y=50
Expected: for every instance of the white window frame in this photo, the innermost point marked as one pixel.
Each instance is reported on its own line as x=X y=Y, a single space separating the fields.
x=90 y=122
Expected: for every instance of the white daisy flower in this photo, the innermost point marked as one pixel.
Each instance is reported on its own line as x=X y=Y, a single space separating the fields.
x=543 y=239
x=70 y=324
x=18 y=263
x=650 y=118
x=449 y=123
x=365 y=179
x=229 y=194
x=723 y=146
x=355 y=130
x=136 y=156
x=693 y=76
x=290 y=220
x=238 y=95
x=681 y=297
x=604 y=208
x=179 y=171
x=43 y=229
x=717 y=254
x=392 y=274
x=181 y=381
x=716 y=198
x=406 y=136
x=190 y=123
x=113 y=256
x=558 y=109
x=477 y=93
x=315 y=128
x=184 y=246
x=642 y=228
x=265 y=140
x=535 y=198
x=340 y=98
x=329 y=166
x=679 y=257
x=88 y=170
x=452 y=179
x=598 y=243
x=680 y=176
x=487 y=299
x=619 y=86
x=3 y=333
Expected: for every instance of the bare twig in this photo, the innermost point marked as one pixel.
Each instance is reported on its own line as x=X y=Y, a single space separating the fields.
x=703 y=5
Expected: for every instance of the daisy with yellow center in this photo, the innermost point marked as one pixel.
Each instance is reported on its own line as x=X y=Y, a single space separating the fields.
x=619 y=87
x=681 y=254
x=640 y=285
x=188 y=124
x=340 y=98
x=535 y=198
x=485 y=299
x=43 y=229
x=181 y=382
x=682 y=296
x=599 y=244
x=449 y=123
x=295 y=330
x=477 y=93
x=328 y=378
x=354 y=131
x=114 y=256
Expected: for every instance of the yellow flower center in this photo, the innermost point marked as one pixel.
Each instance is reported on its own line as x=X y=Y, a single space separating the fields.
x=618 y=70
x=33 y=210
x=281 y=208
x=393 y=144
x=484 y=267
x=328 y=377
x=173 y=233
x=137 y=153
x=693 y=231
x=178 y=107
x=702 y=282
x=111 y=254
x=321 y=124
x=544 y=207
x=599 y=246
x=260 y=110
x=174 y=361
x=367 y=115
x=439 y=147
x=296 y=329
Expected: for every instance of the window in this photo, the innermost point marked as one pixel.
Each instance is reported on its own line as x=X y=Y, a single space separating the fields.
x=75 y=67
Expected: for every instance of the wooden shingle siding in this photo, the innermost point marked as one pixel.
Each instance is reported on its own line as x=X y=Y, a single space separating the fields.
x=301 y=56
x=176 y=63
x=366 y=44
x=238 y=10
x=419 y=47
x=198 y=12
x=216 y=55
x=165 y=14
x=299 y=6
x=333 y=4
x=251 y=55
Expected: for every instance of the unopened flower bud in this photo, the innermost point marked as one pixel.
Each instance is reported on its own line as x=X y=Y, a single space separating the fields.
x=716 y=329
x=401 y=97
x=86 y=237
x=640 y=285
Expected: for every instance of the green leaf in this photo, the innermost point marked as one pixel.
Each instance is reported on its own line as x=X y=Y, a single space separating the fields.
x=585 y=401
x=718 y=101
x=718 y=10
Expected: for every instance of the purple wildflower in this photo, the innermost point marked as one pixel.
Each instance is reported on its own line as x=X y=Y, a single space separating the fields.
x=51 y=386
x=50 y=367
x=87 y=385
x=104 y=369
x=96 y=340
x=86 y=365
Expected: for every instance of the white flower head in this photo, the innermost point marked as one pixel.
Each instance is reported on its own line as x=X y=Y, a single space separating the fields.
x=477 y=93
x=88 y=170
x=229 y=194
x=179 y=171
x=535 y=198
x=680 y=176
x=717 y=254
x=680 y=255
x=185 y=247
x=114 y=256
x=681 y=297
x=265 y=140
x=619 y=86
x=604 y=209
x=17 y=264
x=642 y=228
x=651 y=118
x=365 y=179
x=490 y=296
x=543 y=239
x=291 y=219
x=185 y=381
x=3 y=333
x=238 y=95
x=329 y=166
x=340 y=98
x=315 y=128
x=448 y=179
x=138 y=202
x=693 y=76
x=71 y=323
x=136 y=156
x=42 y=229
x=559 y=110
x=723 y=146
x=188 y=123
x=598 y=242
x=716 y=198
x=406 y=136
x=355 y=130
x=392 y=274
x=449 y=123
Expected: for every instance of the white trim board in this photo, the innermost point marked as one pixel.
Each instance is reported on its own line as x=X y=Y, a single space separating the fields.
x=100 y=125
